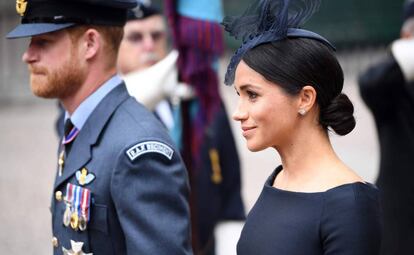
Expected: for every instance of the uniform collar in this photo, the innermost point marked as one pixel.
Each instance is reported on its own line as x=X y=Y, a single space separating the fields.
x=84 y=110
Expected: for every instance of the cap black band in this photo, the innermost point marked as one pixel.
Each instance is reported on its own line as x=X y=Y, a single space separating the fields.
x=60 y=12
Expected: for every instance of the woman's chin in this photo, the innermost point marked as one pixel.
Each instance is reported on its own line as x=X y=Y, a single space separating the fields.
x=255 y=147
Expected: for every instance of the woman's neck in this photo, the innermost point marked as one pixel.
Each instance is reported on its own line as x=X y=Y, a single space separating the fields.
x=307 y=149
x=310 y=163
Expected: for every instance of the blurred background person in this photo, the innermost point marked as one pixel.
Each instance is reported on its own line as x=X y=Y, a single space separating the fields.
x=145 y=45
x=145 y=28
x=151 y=74
x=387 y=88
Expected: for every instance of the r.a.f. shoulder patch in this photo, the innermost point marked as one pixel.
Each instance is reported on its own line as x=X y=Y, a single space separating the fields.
x=149 y=147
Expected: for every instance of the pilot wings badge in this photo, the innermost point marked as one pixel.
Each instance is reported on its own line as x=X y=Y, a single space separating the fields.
x=83 y=177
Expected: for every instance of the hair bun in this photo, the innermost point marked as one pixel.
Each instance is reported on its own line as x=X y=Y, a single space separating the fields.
x=338 y=115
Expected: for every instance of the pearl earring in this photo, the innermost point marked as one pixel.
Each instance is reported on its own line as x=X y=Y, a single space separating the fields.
x=302 y=112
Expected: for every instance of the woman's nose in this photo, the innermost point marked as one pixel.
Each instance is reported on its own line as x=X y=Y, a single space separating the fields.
x=240 y=113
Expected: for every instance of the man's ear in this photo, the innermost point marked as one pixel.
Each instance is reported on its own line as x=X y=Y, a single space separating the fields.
x=92 y=42
x=307 y=99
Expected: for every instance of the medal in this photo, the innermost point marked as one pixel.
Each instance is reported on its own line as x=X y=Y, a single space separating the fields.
x=74 y=221
x=77 y=201
x=68 y=202
x=76 y=249
x=74 y=218
x=84 y=209
x=82 y=223
x=66 y=216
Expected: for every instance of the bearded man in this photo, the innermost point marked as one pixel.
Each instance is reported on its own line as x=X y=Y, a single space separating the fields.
x=121 y=186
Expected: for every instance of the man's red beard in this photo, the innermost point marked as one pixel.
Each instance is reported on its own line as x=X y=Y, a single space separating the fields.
x=59 y=82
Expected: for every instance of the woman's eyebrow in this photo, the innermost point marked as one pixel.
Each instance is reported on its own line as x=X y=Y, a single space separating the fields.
x=249 y=86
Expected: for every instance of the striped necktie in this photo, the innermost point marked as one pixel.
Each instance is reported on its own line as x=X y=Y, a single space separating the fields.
x=70 y=133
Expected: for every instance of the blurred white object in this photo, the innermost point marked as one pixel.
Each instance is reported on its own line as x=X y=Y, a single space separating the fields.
x=165 y=113
x=158 y=82
x=403 y=51
x=227 y=235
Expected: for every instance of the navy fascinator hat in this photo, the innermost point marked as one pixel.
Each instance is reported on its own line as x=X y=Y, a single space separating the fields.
x=268 y=21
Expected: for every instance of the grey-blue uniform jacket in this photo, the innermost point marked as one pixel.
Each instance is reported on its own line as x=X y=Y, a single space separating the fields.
x=139 y=197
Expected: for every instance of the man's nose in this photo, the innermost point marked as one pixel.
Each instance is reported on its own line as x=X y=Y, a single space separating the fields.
x=29 y=56
x=148 y=43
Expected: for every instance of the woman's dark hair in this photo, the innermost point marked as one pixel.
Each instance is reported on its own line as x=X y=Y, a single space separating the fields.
x=294 y=63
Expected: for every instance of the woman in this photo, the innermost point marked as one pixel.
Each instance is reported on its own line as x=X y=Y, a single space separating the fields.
x=290 y=83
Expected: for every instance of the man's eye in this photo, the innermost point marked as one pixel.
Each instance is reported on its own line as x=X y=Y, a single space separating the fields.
x=157 y=35
x=135 y=37
x=39 y=42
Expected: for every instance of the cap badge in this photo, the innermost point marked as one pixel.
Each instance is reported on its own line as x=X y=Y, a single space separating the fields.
x=21 y=7
x=138 y=12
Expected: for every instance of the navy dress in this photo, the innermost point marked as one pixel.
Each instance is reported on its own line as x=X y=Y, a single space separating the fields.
x=344 y=220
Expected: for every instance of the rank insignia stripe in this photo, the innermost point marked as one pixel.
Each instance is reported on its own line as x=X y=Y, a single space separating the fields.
x=83 y=177
x=149 y=147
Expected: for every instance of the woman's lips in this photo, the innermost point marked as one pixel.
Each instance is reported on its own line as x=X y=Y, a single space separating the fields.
x=247 y=131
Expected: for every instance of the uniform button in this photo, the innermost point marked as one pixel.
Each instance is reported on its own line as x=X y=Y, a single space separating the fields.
x=55 y=242
x=58 y=195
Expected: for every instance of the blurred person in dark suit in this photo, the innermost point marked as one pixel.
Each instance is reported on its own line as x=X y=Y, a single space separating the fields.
x=387 y=88
x=149 y=69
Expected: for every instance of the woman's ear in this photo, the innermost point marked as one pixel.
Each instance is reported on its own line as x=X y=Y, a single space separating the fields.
x=91 y=43
x=307 y=99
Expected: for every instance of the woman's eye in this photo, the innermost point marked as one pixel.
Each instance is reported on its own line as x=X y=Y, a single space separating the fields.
x=251 y=94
